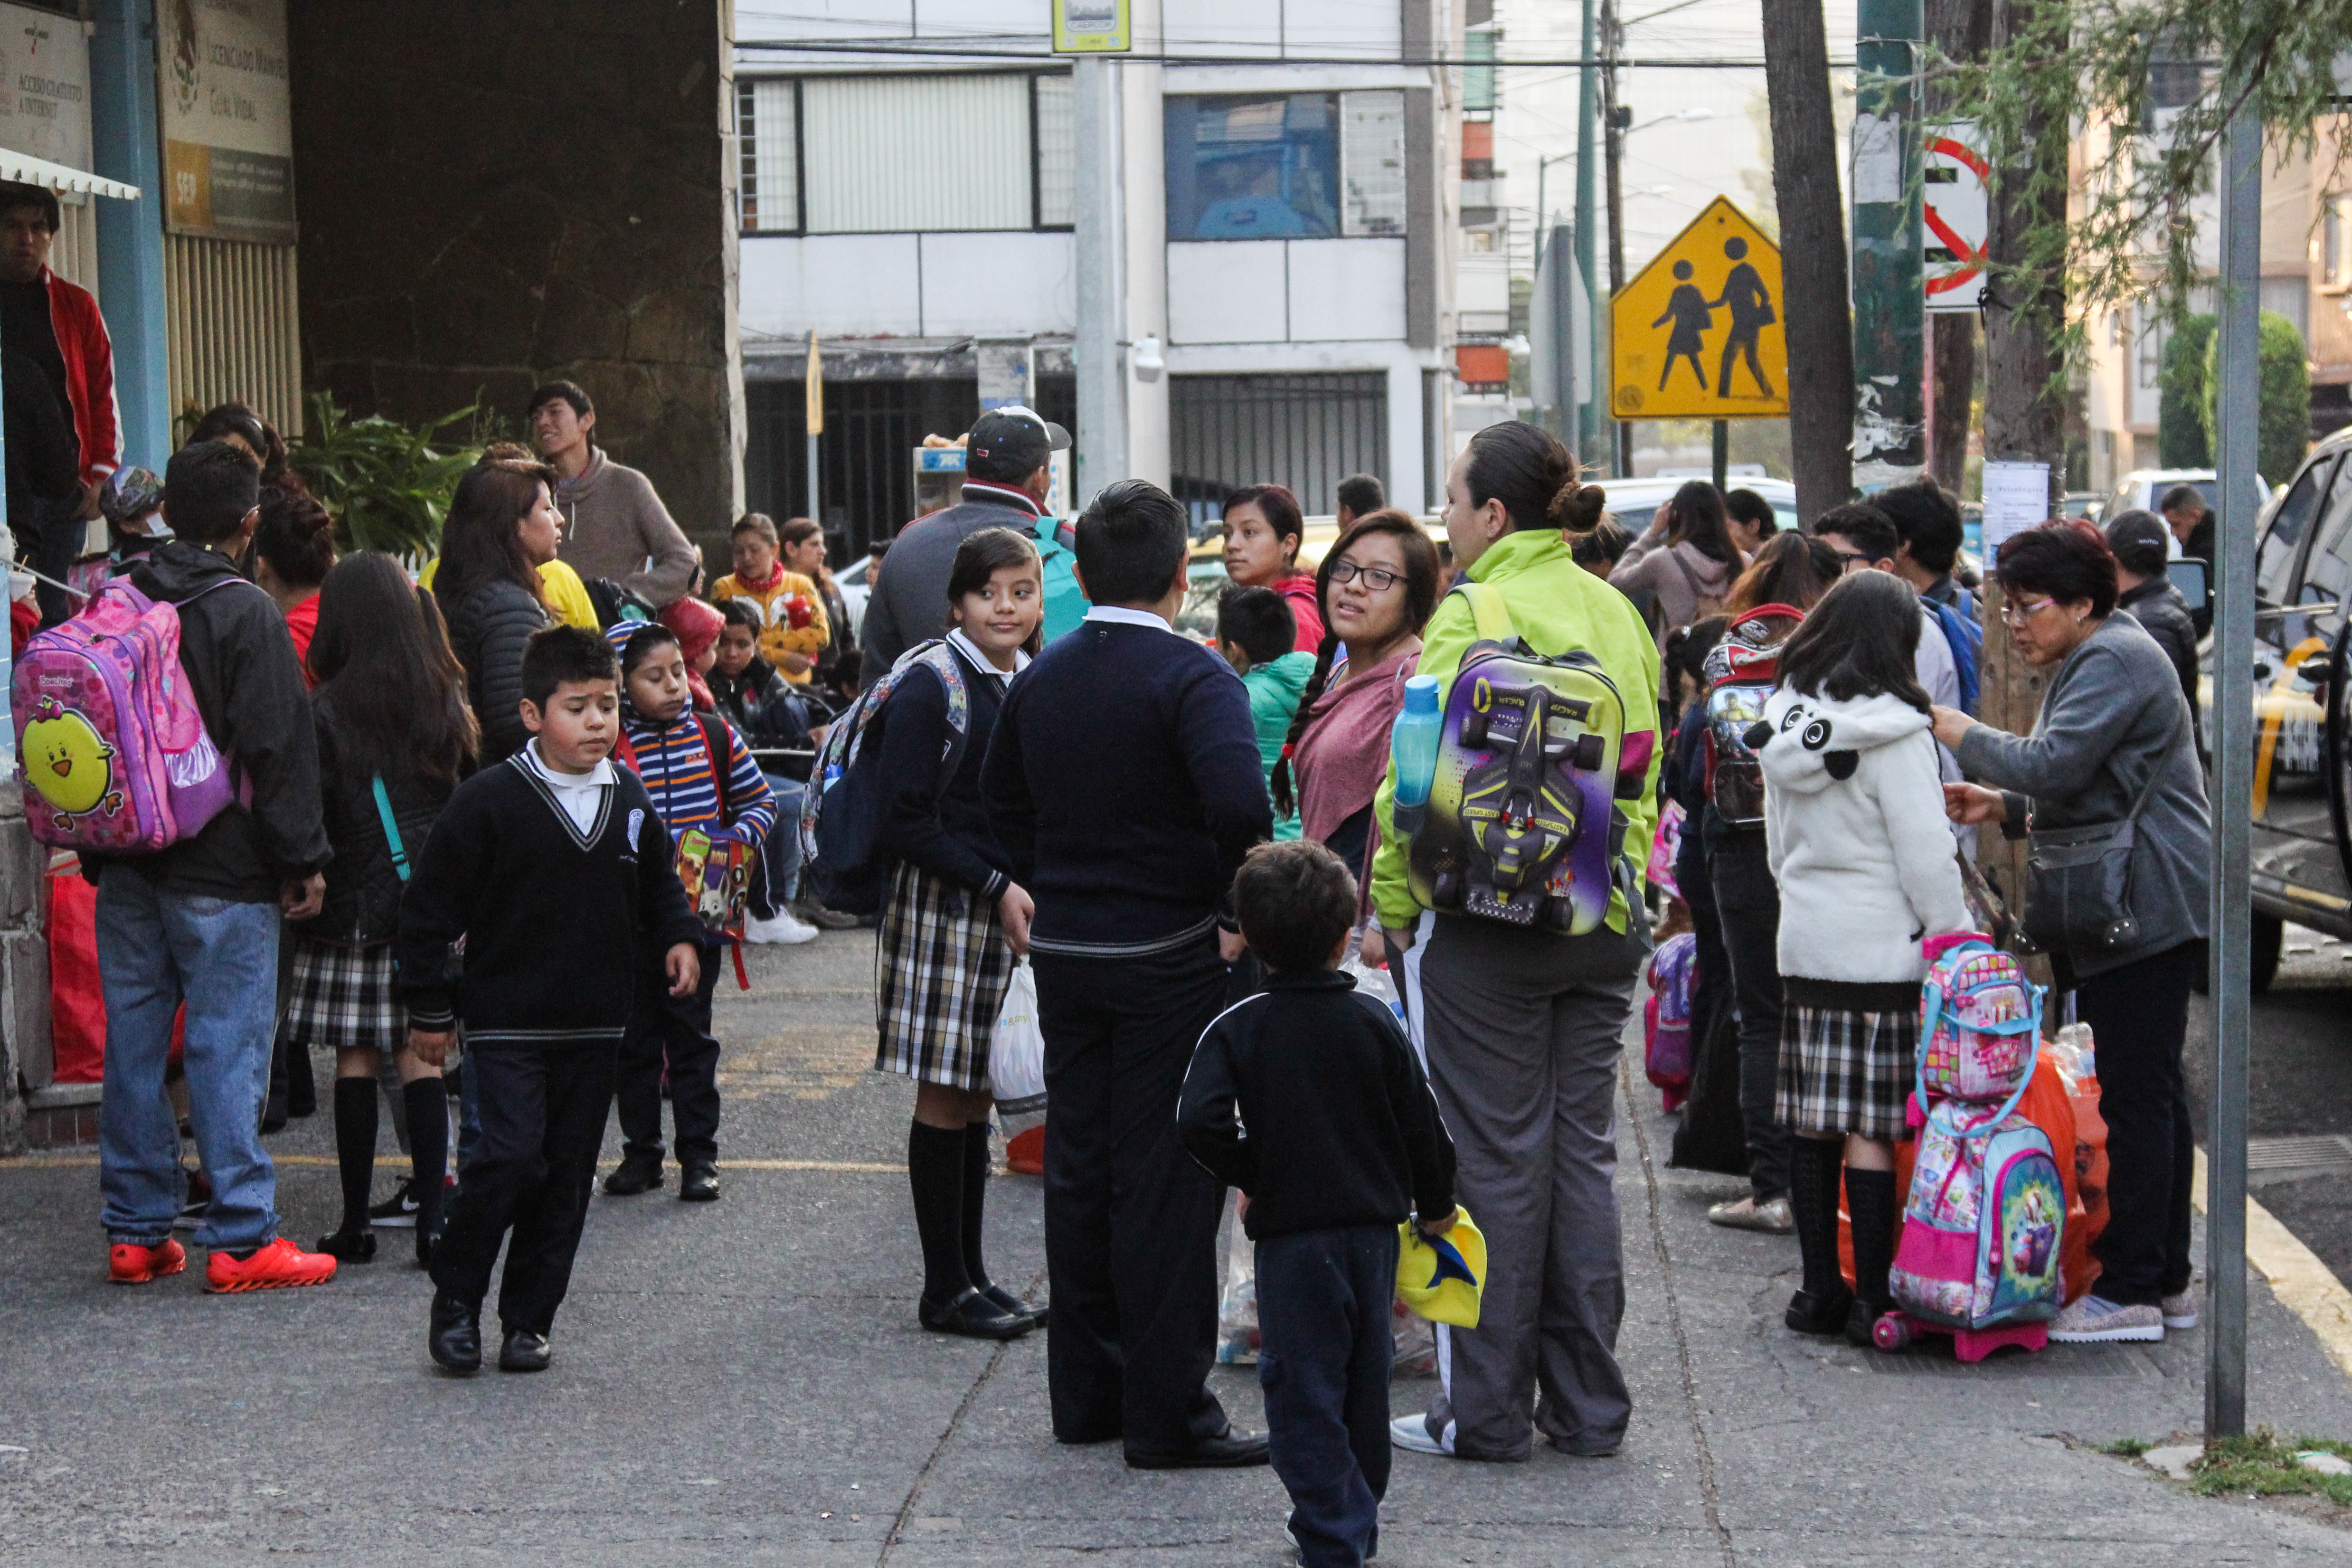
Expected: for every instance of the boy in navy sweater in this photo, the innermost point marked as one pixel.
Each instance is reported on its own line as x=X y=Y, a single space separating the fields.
x=1309 y=1097
x=554 y=868
x=1123 y=782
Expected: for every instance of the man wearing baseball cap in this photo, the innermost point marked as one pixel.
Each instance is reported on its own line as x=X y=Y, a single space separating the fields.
x=1005 y=485
x=2138 y=538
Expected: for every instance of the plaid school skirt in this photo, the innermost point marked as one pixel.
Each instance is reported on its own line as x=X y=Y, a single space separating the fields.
x=1848 y=1055
x=341 y=996
x=941 y=970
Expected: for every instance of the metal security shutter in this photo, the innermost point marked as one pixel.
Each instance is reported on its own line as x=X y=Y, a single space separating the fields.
x=231 y=329
x=1307 y=432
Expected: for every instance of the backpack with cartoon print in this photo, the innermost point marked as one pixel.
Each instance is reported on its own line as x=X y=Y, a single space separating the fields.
x=1741 y=671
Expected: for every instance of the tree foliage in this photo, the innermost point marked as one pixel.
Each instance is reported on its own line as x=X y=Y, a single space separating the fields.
x=2152 y=83
x=2181 y=440
x=2283 y=422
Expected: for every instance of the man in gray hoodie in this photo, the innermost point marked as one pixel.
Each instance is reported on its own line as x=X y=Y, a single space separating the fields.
x=614 y=525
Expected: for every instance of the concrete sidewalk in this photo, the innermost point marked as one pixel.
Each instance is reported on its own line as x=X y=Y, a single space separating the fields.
x=744 y=1382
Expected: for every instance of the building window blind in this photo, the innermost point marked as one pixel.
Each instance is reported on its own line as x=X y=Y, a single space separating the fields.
x=894 y=154
x=1057 y=154
x=768 y=132
x=1371 y=164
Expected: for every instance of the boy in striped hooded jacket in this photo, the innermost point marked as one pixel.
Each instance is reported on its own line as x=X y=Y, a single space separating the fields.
x=701 y=776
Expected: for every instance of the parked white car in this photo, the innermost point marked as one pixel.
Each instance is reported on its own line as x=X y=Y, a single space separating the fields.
x=1633 y=502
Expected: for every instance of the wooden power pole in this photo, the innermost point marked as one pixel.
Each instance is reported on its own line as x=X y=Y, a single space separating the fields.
x=1805 y=164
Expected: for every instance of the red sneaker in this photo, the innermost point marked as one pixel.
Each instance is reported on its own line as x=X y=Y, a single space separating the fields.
x=275 y=1267
x=131 y=1264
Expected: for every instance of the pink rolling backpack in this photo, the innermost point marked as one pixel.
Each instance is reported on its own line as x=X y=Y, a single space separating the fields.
x=1982 y=1226
x=108 y=732
x=1671 y=973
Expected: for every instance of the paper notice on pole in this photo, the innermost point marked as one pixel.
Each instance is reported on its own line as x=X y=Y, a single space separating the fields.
x=2016 y=498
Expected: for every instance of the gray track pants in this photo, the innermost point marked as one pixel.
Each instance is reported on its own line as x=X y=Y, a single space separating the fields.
x=1522 y=1033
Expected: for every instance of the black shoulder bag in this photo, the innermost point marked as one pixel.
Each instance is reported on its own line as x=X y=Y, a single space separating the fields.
x=2078 y=895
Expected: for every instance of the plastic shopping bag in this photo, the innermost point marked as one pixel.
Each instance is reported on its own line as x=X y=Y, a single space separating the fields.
x=1237 y=1331
x=1016 y=1059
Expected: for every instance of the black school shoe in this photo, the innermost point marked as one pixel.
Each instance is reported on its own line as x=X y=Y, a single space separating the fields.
x=972 y=1315
x=1035 y=1311
x=348 y=1246
x=636 y=1174
x=1233 y=1451
x=699 y=1183
x=1862 y=1321
x=1811 y=1314
x=454 y=1339
x=524 y=1351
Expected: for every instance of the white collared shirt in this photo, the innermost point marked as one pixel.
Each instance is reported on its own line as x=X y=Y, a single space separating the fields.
x=1120 y=616
x=980 y=661
x=579 y=793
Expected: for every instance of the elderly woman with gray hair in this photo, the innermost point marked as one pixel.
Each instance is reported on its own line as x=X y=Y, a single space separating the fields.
x=2108 y=791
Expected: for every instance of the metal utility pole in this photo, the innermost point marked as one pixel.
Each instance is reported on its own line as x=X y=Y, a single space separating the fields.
x=1890 y=309
x=2241 y=179
x=812 y=409
x=1614 y=118
x=1588 y=115
x=1812 y=234
x=1101 y=434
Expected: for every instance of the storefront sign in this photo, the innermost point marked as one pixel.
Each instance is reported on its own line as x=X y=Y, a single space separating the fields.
x=44 y=88
x=1092 y=27
x=228 y=131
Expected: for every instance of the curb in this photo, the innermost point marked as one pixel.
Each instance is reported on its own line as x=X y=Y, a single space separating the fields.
x=2297 y=1277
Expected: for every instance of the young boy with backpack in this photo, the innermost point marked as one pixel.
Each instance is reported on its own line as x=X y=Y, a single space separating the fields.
x=1256 y=633
x=554 y=870
x=195 y=920
x=706 y=787
x=1344 y=1143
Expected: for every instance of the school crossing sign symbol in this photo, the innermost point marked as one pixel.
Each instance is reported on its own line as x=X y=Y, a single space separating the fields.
x=1698 y=333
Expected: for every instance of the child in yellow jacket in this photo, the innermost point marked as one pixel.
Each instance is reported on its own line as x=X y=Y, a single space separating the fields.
x=791 y=610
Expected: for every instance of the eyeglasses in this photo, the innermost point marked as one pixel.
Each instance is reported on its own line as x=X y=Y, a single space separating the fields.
x=1378 y=579
x=1846 y=558
x=2017 y=614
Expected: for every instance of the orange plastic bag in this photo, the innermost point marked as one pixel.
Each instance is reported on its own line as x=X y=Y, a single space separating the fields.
x=2079 y=1140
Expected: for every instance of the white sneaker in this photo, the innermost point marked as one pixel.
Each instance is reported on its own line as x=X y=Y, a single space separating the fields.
x=1410 y=1433
x=2094 y=1320
x=778 y=928
x=2179 y=1311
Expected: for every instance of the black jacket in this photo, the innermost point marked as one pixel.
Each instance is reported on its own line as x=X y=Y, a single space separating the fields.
x=488 y=629
x=363 y=884
x=1309 y=1097
x=248 y=685
x=909 y=599
x=943 y=830
x=765 y=707
x=2163 y=614
x=557 y=922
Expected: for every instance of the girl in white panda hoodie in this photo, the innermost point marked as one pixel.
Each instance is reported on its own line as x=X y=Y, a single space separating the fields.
x=1855 y=832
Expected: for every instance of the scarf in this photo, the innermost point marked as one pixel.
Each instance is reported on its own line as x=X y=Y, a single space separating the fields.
x=1343 y=754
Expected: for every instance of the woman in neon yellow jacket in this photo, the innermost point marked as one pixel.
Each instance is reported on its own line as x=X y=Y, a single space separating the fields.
x=1521 y=1024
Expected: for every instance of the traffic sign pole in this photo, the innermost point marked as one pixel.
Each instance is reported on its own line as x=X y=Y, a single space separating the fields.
x=1889 y=303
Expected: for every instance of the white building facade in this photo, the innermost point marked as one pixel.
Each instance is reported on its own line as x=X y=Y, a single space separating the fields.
x=1287 y=179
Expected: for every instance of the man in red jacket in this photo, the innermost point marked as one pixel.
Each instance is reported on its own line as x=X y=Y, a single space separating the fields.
x=56 y=325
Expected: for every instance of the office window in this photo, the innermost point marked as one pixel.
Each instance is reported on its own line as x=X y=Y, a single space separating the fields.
x=767 y=129
x=1057 y=153
x=1306 y=166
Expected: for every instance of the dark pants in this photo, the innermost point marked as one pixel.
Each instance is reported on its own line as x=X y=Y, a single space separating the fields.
x=1748 y=903
x=543 y=1123
x=1323 y=1311
x=1130 y=1221
x=676 y=1029
x=2138 y=1016
x=50 y=546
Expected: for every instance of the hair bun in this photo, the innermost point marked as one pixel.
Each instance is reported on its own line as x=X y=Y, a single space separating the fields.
x=1578 y=508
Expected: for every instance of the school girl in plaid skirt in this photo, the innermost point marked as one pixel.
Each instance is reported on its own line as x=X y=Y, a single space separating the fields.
x=394 y=732
x=956 y=923
x=1855 y=835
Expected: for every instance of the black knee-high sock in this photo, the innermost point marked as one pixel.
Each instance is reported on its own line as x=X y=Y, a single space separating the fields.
x=427 y=1103
x=975 y=1202
x=1870 y=1199
x=1813 y=1165
x=355 y=1146
x=935 y=1172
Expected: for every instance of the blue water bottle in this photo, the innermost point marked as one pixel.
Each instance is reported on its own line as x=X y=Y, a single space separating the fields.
x=1412 y=742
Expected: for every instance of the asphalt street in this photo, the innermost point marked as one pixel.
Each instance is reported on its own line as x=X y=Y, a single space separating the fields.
x=2301 y=1075
x=744 y=1382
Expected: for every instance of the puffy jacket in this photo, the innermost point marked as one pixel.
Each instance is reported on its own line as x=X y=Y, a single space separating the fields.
x=363 y=885
x=488 y=629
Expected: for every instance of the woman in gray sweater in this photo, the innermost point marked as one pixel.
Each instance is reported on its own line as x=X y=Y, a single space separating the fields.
x=2115 y=731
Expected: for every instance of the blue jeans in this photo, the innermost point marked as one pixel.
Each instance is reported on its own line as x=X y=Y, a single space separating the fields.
x=776 y=876
x=156 y=949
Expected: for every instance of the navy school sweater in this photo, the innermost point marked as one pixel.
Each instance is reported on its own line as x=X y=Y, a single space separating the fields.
x=1309 y=1097
x=1123 y=782
x=556 y=922
x=943 y=829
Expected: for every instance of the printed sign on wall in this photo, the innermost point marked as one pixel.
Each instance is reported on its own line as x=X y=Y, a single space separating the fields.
x=228 y=131
x=44 y=88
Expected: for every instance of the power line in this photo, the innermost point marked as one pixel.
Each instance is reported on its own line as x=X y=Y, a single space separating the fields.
x=928 y=48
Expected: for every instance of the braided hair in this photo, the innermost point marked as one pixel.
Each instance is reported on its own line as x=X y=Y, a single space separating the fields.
x=1422 y=575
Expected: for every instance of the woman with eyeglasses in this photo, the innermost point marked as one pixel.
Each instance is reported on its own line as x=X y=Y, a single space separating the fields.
x=1376 y=589
x=2109 y=778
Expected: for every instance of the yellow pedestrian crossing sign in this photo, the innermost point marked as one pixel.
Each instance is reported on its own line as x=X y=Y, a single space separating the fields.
x=1698 y=333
